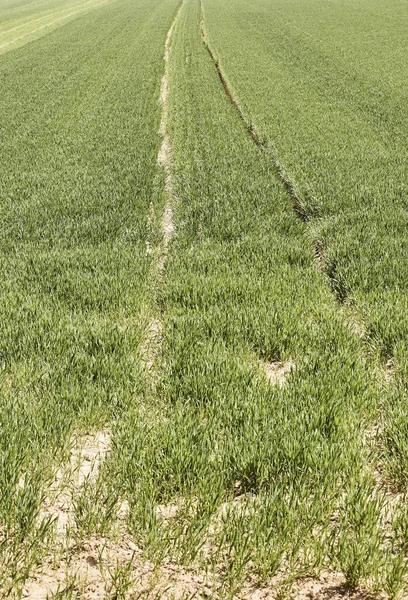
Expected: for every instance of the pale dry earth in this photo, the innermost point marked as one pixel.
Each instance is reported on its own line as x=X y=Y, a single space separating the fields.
x=277 y=372
x=65 y=565
x=150 y=346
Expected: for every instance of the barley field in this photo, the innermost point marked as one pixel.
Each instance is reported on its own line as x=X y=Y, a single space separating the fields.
x=203 y=299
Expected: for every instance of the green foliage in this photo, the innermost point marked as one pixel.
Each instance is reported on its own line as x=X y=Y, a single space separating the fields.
x=240 y=475
x=247 y=477
x=322 y=86
x=78 y=119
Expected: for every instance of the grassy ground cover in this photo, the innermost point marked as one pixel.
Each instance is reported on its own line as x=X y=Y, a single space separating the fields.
x=325 y=86
x=221 y=467
x=79 y=115
x=247 y=450
x=22 y=22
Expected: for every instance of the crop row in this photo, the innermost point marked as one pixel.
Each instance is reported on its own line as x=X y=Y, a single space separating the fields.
x=21 y=23
x=221 y=465
x=79 y=113
x=325 y=91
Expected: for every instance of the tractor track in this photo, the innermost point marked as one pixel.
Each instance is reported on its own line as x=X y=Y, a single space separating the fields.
x=151 y=343
x=297 y=205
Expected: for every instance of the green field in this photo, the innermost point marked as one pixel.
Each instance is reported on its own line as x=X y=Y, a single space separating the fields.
x=204 y=307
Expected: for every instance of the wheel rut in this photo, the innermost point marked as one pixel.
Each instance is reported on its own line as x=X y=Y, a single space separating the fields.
x=151 y=343
x=299 y=209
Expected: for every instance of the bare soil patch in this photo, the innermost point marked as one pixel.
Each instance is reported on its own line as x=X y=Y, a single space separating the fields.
x=276 y=372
